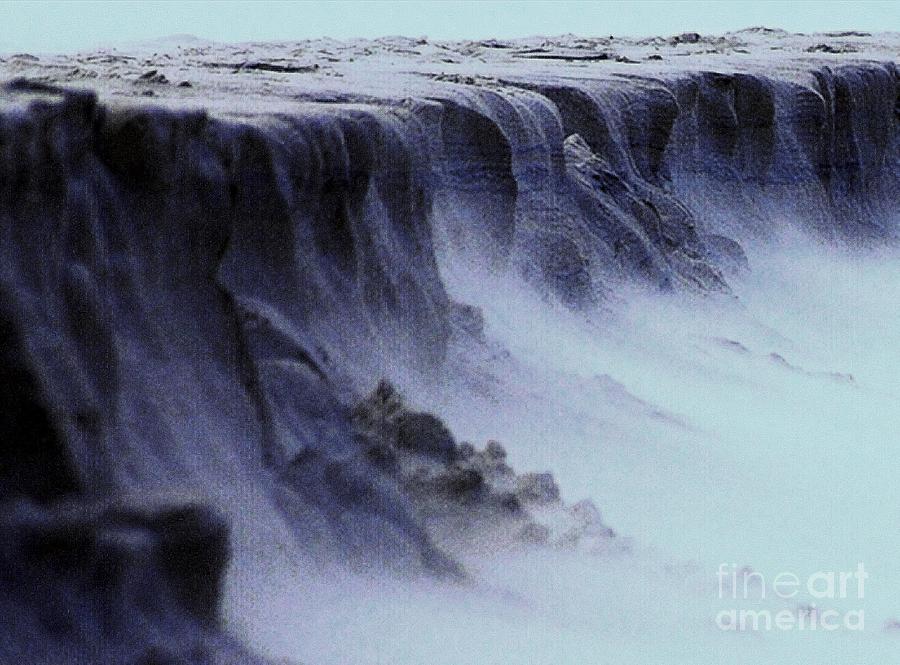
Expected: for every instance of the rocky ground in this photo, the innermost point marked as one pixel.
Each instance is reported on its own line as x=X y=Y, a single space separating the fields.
x=186 y=68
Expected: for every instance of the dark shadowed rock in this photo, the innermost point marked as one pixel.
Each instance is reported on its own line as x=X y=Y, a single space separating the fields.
x=686 y=38
x=460 y=484
x=34 y=460
x=426 y=434
x=460 y=491
x=112 y=584
x=193 y=550
x=495 y=452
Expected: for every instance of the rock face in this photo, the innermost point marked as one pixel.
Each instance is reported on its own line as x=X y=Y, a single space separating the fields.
x=197 y=288
x=649 y=232
x=469 y=497
x=115 y=584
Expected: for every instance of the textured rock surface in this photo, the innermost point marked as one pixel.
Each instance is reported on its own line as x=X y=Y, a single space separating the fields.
x=469 y=497
x=198 y=280
x=113 y=585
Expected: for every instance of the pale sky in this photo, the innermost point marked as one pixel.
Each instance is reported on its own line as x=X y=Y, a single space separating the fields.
x=68 y=25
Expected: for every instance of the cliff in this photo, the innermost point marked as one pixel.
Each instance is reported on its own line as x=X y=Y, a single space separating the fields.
x=210 y=253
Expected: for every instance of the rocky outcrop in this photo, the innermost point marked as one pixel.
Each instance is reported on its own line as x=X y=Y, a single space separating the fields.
x=818 y=151
x=648 y=231
x=114 y=584
x=468 y=497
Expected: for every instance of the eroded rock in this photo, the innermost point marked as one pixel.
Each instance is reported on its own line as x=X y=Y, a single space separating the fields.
x=466 y=495
x=114 y=583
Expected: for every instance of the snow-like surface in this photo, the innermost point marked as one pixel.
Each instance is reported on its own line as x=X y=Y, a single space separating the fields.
x=391 y=67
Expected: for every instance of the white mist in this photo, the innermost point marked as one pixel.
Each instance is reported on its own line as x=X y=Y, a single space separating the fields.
x=698 y=444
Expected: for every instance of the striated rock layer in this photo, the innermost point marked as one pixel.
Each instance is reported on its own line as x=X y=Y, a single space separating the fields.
x=211 y=252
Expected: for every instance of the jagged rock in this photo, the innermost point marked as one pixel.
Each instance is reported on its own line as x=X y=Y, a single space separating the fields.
x=587 y=515
x=382 y=457
x=587 y=529
x=508 y=501
x=647 y=231
x=831 y=48
x=465 y=451
x=463 y=484
x=492 y=462
x=153 y=76
x=687 y=38
x=459 y=490
x=537 y=488
x=385 y=423
x=425 y=434
x=495 y=452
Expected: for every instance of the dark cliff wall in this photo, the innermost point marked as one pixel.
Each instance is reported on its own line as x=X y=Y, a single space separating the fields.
x=164 y=268
x=192 y=301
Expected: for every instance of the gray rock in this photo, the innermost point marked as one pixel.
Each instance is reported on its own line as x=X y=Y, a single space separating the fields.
x=537 y=488
x=425 y=434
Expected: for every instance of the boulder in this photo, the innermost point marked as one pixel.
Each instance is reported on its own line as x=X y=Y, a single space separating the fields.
x=425 y=434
